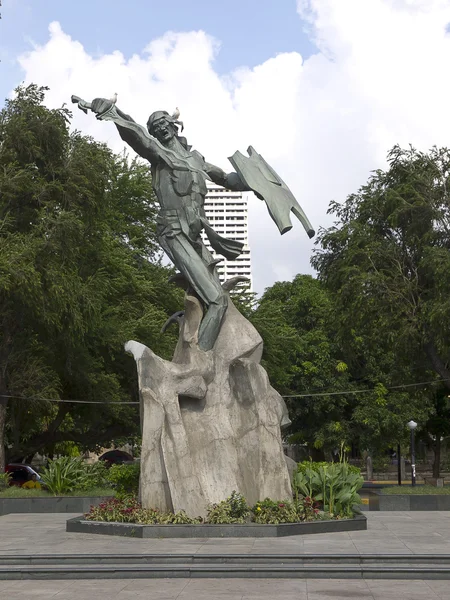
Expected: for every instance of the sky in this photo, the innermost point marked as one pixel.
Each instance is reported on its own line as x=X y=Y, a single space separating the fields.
x=321 y=88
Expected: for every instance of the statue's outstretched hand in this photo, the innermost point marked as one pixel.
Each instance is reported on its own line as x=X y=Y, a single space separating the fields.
x=101 y=107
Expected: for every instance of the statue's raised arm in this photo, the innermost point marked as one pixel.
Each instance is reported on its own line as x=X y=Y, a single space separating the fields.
x=148 y=146
x=132 y=133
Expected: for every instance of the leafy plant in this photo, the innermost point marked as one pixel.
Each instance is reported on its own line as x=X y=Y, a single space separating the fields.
x=96 y=476
x=232 y=510
x=272 y=512
x=316 y=465
x=129 y=510
x=18 y=492
x=238 y=505
x=65 y=474
x=334 y=485
x=125 y=478
x=5 y=479
x=307 y=509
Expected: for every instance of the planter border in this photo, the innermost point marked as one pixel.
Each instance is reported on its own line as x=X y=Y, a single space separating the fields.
x=408 y=502
x=50 y=504
x=248 y=530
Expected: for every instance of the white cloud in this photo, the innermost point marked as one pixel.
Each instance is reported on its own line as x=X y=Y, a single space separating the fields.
x=381 y=78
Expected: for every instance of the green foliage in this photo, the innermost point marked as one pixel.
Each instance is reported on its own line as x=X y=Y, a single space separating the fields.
x=124 y=478
x=69 y=474
x=96 y=476
x=64 y=474
x=334 y=485
x=238 y=505
x=306 y=465
x=417 y=490
x=128 y=510
x=380 y=463
x=18 y=492
x=272 y=512
x=386 y=264
x=232 y=510
x=301 y=354
x=5 y=479
x=79 y=276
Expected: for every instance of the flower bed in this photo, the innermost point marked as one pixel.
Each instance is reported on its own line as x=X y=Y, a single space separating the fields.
x=233 y=510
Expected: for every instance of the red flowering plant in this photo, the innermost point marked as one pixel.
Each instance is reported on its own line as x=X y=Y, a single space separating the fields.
x=129 y=510
x=307 y=508
x=274 y=512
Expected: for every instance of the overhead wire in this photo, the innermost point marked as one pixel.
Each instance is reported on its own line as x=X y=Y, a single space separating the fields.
x=304 y=395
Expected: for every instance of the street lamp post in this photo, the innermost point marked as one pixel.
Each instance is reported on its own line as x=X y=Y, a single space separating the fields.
x=412 y=426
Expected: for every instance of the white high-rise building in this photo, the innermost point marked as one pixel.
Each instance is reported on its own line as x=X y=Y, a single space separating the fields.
x=227 y=213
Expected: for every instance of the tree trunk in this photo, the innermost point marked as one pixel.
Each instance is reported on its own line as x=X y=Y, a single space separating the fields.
x=438 y=364
x=29 y=458
x=437 y=457
x=3 y=404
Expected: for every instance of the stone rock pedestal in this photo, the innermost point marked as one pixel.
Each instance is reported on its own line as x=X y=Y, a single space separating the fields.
x=211 y=422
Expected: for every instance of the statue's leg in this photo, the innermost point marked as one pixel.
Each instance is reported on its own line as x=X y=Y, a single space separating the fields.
x=206 y=284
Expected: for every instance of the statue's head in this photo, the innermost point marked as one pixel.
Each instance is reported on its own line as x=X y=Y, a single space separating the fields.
x=162 y=126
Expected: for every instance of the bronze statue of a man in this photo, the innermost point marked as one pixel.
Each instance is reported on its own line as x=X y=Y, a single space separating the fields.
x=179 y=177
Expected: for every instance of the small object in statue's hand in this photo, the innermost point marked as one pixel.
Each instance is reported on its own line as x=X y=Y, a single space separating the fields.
x=101 y=106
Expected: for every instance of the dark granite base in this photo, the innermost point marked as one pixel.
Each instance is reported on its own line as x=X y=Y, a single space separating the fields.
x=51 y=504
x=408 y=502
x=250 y=530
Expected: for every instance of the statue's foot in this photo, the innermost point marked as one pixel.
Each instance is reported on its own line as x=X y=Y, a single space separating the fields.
x=230 y=284
x=175 y=318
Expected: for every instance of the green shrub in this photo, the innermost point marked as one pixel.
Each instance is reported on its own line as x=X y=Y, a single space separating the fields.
x=69 y=474
x=232 y=510
x=380 y=463
x=334 y=485
x=5 y=479
x=64 y=474
x=315 y=466
x=96 y=476
x=125 y=478
x=272 y=512
x=128 y=510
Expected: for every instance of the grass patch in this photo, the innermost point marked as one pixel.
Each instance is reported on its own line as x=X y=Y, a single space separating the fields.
x=17 y=492
x=418 y=490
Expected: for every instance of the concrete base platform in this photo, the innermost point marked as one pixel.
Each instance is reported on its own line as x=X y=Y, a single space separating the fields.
x=249 y=530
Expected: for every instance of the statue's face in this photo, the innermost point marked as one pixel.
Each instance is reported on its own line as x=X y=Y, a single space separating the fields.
x=163 y=130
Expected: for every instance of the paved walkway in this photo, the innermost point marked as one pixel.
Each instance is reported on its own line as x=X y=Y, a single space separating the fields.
x=388 y=533
x=225 y=589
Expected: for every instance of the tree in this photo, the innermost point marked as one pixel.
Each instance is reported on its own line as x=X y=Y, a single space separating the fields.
x=79 y=276
x=301 y=356
x=387 y=262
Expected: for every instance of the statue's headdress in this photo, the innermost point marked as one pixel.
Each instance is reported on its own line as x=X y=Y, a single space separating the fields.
x=163 y=114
